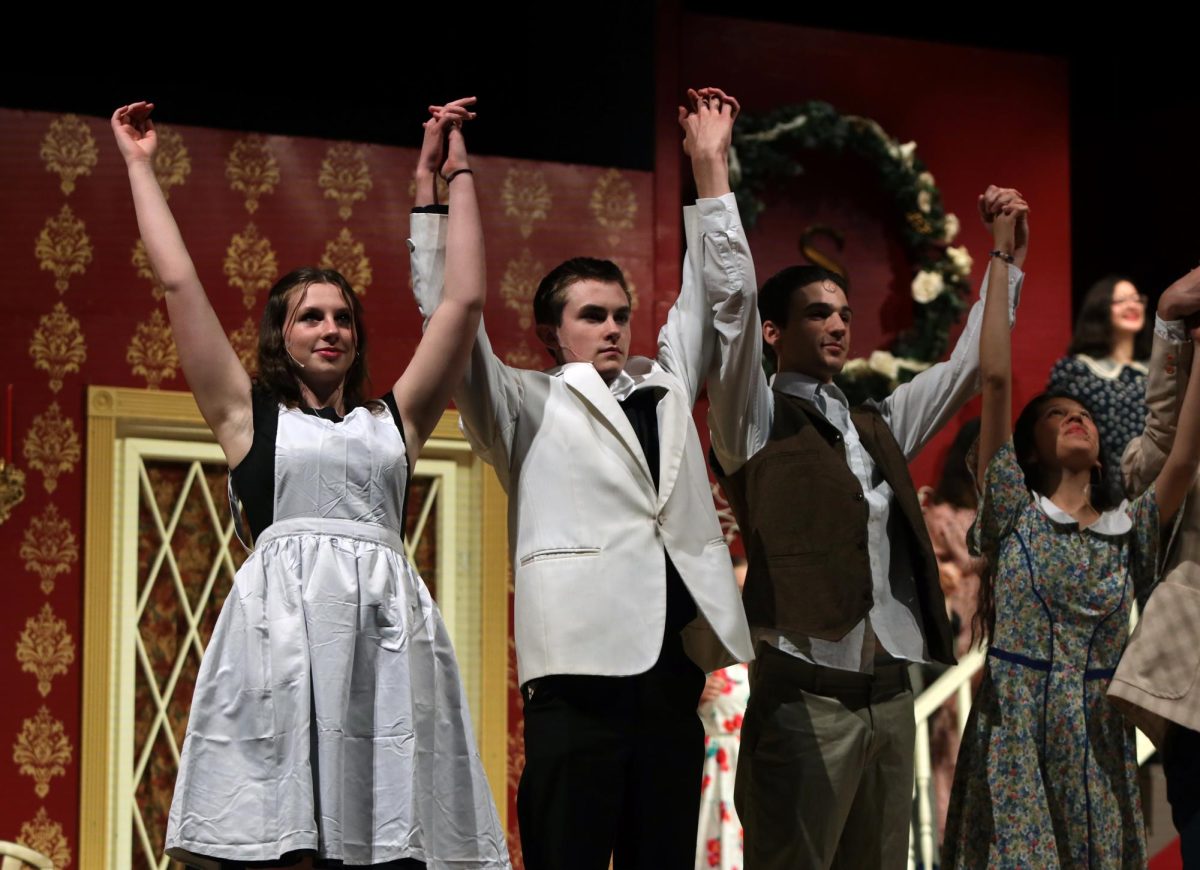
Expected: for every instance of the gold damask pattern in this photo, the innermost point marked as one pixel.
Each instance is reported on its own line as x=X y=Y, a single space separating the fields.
x=45 y=649
x=526 y=198
x=252 y=169
x=69 y=150
x=614 y=204
x=523 y=357
x=348 y=256
x=519 y=283
x=51 y=445
x=172 y=163
x=141 y=262
x=244 y=340
x=57 y=346
x=152 y=352
x=345 y=176
x=45 y=835
x=49 y=547
x=42 y=750
x=63 y=247
x=250 y=264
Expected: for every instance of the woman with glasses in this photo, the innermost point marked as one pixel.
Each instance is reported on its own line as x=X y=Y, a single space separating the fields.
x=1105 y=366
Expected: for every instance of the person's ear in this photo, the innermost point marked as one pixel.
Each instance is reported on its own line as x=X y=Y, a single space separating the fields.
x=548 y=336
x=771 y=333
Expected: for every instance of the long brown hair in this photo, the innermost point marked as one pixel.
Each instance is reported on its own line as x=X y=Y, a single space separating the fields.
x=277 y=374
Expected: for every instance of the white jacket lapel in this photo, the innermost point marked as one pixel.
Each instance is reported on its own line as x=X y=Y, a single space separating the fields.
x=589 y=386
x=673 y=414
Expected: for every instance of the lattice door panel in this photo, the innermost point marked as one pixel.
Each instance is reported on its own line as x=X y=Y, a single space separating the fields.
x=187 y=555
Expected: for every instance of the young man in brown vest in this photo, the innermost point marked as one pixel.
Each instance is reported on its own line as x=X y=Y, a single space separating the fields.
x=842 y=592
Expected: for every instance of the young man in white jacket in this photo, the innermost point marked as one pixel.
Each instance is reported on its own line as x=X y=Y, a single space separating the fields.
x=625 y=594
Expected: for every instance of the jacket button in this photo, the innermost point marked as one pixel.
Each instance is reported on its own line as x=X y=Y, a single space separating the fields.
x=1169 y=369
x=858 y=496
x=662 y=519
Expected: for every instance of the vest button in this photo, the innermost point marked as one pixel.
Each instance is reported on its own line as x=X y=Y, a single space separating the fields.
x=858 y=496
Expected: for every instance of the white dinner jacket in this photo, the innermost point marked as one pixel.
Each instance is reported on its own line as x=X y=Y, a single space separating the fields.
x=587 y=530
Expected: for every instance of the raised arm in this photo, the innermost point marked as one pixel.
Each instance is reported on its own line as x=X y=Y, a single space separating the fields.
x=917 y=410
x=437 y=366
x=1179 y=469
x=717 y=265
x=1169 y=367
x=995 y=343
x=214 y=373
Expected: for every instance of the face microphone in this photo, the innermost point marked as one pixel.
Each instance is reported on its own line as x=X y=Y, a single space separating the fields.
x=292 y=358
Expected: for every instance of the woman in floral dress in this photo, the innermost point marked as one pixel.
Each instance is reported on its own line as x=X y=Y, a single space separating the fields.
x=722 y=707
x=1047 y=773
x=719 y=839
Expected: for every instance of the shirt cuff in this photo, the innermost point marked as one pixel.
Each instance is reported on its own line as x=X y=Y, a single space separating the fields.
x=1170 y=330
x=720 y=212
x=1016 y=278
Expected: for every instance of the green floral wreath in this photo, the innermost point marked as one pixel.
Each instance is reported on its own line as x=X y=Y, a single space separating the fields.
x=764 y=151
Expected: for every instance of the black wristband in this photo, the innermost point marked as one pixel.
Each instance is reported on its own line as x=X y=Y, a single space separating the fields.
x=1008 y=258
x=457 y=172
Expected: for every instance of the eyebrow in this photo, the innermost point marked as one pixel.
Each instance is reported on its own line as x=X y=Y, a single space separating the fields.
x=590 y=310
x=826 y=309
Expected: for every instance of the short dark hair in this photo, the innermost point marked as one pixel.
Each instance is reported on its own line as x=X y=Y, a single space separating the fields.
x=775 y=297
x=551 y=296
x=276 y=372
x=1093 y=327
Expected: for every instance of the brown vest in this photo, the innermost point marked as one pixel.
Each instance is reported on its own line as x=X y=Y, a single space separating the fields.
x=803 y=517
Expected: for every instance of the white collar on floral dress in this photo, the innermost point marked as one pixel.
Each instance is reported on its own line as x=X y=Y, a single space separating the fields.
x=1113 y=522
x=1108 y=368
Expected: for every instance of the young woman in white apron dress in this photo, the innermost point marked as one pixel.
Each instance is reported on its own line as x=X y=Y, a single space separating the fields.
x=328 y=725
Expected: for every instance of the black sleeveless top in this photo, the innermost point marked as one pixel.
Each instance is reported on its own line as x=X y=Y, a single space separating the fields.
x=254 y=478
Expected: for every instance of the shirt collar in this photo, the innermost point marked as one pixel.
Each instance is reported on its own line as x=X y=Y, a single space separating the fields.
x=622 y=386
x=807 y=387
x=1113 y=523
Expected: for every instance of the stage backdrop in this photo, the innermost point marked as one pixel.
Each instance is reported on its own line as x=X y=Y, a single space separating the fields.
x=85 y=309
x=977 y=117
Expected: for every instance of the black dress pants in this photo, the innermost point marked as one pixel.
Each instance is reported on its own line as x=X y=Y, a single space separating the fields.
x=613 y=767
x=1181 y=766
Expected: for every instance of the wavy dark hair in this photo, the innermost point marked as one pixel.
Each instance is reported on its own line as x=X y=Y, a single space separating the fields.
x=277 y=375
x=983 y=624
x=1094 y=329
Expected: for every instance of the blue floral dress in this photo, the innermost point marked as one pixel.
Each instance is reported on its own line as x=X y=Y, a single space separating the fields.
x=1047 y=774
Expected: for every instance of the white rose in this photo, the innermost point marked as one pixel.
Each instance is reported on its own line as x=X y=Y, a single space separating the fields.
x=961 y=259
x=924 y=200
x=884 y=363
x=907 y=150
x=951 y=228
x=925 y=179
x=927 y=286
x=855 y=367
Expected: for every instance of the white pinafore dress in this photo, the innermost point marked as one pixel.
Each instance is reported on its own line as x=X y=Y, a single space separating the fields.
x=328 y=713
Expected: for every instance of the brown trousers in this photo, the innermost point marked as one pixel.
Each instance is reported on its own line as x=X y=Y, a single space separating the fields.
x=825 y=772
